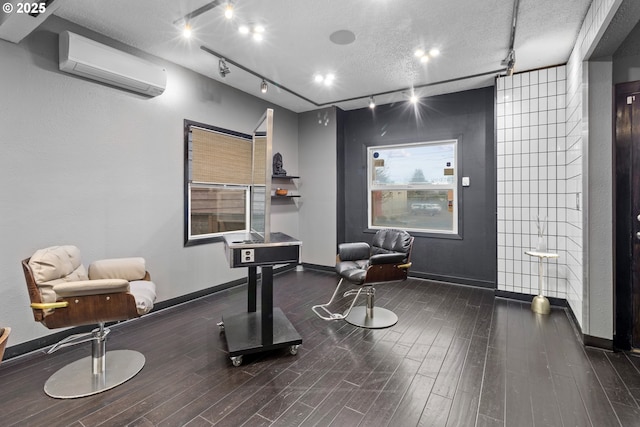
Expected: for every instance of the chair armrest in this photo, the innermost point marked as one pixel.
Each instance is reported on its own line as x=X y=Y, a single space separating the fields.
x=49 y=305
x=353 y=251
x=392 y=258
x=91 y=287
x=118 y=268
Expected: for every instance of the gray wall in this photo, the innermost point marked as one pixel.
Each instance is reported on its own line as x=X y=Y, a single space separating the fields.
x=598 y=283
x=467 y=116
x=626 y=59
x=101 y=168
x=317 y=145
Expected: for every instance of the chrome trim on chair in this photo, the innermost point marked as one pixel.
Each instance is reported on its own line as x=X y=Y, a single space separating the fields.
x=336 y=316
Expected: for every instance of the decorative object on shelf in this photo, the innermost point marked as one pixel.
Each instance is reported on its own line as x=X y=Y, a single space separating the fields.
x=277 y=165
x=542 y=245
x=281 y=191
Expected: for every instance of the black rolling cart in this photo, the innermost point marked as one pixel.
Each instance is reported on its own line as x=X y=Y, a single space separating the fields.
x=267 y=329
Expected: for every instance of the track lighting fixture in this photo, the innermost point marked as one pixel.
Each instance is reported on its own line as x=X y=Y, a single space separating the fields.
x=228 y=13
x=408 y=93
x=187 y=31
x=228 y=10
x=509 y=62
x=222 y=68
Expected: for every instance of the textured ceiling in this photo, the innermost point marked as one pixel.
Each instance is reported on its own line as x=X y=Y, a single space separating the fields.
x=473 y=37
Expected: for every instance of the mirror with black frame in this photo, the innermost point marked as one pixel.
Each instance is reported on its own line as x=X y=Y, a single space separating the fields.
x=227 y=181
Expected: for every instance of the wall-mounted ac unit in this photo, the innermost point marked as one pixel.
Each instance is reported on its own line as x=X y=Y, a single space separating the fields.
x=88 y=58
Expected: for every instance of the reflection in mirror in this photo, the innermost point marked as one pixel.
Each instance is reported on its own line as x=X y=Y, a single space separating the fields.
x=218 y=179
x=261 y=188
x=227 y=181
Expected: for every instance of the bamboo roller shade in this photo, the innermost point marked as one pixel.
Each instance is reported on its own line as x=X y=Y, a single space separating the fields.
x=260 y=166
x=226 y=159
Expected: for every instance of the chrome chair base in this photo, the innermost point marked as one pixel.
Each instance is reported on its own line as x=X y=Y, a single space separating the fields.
x=381 y=317
x=77 y=380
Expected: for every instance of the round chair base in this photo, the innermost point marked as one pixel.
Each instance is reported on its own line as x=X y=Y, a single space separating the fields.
x=76 y=379
x=382 y=318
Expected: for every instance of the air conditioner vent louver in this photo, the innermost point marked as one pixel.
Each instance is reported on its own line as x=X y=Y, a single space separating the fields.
x=87 y=58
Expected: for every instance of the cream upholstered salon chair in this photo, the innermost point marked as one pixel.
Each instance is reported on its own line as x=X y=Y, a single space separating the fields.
x=4 y=337
x=387 y=259
x=64 y=294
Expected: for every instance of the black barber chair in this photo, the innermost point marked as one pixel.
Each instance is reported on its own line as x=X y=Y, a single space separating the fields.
x=387 y=259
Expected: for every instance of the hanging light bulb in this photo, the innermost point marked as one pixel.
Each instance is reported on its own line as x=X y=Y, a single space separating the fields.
x=372 y=103
x=228 y=10
x=263 y=86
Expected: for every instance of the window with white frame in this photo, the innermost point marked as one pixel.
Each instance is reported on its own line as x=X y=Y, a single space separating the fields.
x=413 y=187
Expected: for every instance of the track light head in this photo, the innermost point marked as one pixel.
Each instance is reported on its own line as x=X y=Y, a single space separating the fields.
x=263 y=86
x=509 y=62
x=372 y=103
x=228 y=10
x=223 y=69
x=187 y=31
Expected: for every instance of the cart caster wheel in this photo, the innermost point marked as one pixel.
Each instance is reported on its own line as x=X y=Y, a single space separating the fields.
x=236 y=360
x=221 y=326
x=294 y=349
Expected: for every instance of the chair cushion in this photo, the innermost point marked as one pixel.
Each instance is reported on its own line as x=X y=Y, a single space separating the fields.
x=118 y=268
x=390 y=241
x=55 y=265
x=57 y=262
x=353 y=251
x=144 y=291
x=353 y=271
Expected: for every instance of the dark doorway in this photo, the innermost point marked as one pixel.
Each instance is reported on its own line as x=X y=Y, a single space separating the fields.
x=627 y=216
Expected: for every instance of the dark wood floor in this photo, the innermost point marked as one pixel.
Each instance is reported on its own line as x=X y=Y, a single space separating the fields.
x=457 y=357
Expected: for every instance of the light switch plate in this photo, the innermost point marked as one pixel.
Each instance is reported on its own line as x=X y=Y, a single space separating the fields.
x=465 y=181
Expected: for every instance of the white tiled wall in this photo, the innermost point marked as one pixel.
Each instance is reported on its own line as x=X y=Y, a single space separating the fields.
x=541 y=125
x=595 y=23
x=531 y=149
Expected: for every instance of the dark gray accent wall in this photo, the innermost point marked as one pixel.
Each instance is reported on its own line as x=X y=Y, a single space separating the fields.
x=470 y=257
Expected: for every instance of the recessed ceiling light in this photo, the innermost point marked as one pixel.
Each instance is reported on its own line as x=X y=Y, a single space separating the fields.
x=328 y=80
x=423 y=56
x=256 y=31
